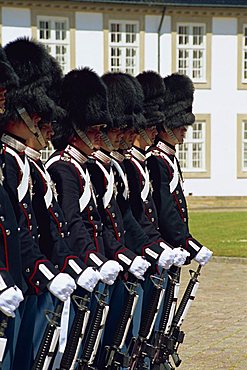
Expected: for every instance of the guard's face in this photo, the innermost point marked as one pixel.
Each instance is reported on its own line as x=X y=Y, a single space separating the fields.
x=93 y=133
x=151 y=132
x=129 y=137
x=115 y=137
x=180 y=133
x=46 y=131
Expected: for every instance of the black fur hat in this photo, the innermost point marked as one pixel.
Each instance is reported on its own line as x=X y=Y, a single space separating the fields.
x=39 y=76
x=34 y=100
x=8 y=78
x=178 y=100
x=139 y=119
x=84 y=98
x=153 y=89
x=34 y=65
x=121 y=97
x=31 y=62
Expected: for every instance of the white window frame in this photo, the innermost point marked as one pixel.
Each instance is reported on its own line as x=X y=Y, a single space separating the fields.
x=189 y=142
x=244 y=146
x=244 y=52
x=123 y=45
x=190 y=48
x=52 y=42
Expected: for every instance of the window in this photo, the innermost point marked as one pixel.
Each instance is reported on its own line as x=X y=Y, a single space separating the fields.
x=242 y=146
x=194 y=153
x=124 y=46
x=191 y=48
x=244 y=55
x=53 y=33
x=191 y=51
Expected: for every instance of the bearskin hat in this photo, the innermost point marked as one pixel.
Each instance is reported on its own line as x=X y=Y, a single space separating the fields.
x=153 y=89
x=178 y=100
x=8 y=78
x=84 y=97
x=38 y=72
x=31 y=62
x=139 y=119
x=34 y=100
x=121 y=96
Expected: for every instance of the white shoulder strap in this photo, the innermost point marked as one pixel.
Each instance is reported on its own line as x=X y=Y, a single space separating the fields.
x=44 y=173
x=22 y=188
x=145 y=175
x=123 y=177
x=110 y=184
x=86 y=195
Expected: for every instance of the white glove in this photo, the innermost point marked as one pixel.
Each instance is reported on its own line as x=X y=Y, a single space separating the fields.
x=203 y=256
x=62 y=286
x=109 y=271
x=10 y=300
x=89 y=279
x=167 y=257
x=180 y=256
x=139 y=266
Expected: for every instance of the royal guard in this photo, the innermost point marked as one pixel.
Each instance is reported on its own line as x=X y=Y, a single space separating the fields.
x=26 y=106
x=165 y=171
x=11 y=279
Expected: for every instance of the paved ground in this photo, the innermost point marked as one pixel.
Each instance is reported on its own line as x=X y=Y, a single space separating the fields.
x=216 y=325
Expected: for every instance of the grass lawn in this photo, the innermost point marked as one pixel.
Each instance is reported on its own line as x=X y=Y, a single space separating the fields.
x=223 y=232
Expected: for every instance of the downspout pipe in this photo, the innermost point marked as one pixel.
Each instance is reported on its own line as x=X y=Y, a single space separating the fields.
x=159 y=30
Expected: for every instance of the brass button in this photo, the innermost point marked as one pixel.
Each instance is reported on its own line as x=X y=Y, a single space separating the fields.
x=7 y=232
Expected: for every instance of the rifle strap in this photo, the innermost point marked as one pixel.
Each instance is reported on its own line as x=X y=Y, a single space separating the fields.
x=63 y=334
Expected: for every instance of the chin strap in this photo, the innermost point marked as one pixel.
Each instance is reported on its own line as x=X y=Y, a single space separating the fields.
x=29 y=122
x=107 y=141
x=123 y=144
x=83 y=137
x=172 y=135
x=145 y=136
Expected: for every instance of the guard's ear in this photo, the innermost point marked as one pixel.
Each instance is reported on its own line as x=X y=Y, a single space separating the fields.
x=36 y=118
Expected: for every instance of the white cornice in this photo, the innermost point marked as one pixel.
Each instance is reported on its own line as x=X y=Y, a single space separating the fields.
x=127 y=8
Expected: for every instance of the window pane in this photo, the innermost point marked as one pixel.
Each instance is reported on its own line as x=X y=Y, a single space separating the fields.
x=131 y=33
x=60 y=28
x=44 y=30
x=197 y=35
x=183 y=35
x=115 y=32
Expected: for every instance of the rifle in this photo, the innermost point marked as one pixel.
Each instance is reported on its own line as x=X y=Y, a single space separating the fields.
x=176 y=335
x=114 y=357
x=95 y=331
x=161 y=355
x=141 y=347
x=3 y=339
x=49 y=341
x=77 y=332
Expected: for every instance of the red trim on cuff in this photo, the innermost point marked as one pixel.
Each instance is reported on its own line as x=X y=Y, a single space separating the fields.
x=120 y=251
x=37 y=263
x=66 y=262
